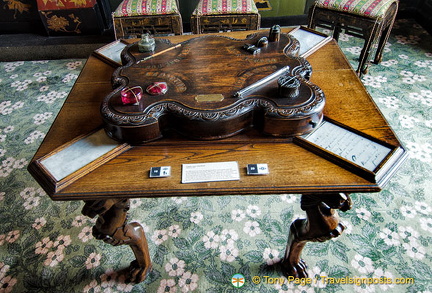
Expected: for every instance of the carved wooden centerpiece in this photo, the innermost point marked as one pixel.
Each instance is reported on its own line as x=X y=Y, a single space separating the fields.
x=212 y=87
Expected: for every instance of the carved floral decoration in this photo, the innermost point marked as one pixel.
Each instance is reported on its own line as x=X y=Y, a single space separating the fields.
x=60 y=23
x=64 y=3
x=18 y=6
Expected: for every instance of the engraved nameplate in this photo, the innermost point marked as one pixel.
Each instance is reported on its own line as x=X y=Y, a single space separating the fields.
x=209 y=98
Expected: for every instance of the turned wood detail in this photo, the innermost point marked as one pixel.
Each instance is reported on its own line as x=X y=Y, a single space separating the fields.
x=321 y=224
x=112 y=227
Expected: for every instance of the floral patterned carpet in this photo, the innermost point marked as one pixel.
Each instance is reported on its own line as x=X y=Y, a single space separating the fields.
x=198 y=244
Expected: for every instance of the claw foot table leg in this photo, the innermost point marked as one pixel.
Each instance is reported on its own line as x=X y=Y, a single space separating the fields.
x=112 y=227
x=321 y=224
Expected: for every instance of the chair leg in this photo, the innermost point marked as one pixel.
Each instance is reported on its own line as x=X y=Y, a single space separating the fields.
x=370 y=36
x=382 y=41
x=370 y=29
x=388 y=22
x=381 y=44
x=311 y=18
x=363 y=59
x=336 y=31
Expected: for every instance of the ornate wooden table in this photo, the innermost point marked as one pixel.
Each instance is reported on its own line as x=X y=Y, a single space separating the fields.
x=296 y=165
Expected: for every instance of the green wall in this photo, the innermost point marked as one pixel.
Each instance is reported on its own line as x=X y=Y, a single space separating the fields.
x=186 y=8
x=284 y=8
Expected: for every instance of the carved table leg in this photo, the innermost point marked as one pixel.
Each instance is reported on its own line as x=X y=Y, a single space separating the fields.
x=112 y=227
x=321 y=224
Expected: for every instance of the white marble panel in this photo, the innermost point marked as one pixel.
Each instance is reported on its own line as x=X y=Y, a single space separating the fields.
x=79 y=154
x=308 y=40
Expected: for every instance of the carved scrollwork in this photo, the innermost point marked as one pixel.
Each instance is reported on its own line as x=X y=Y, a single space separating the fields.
x=304 y=69
x=244 y=72
x=237 y=109
x=321 y=224
x=293 y=46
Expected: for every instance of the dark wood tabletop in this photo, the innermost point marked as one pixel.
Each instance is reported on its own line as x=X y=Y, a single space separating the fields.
x=293 y=169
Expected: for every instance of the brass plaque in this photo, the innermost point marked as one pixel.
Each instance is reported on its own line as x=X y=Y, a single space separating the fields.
x=209 y=98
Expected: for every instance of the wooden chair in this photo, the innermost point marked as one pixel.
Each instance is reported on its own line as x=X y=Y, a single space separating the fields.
x=370 y=20
x=224 y=15
x=158 y=17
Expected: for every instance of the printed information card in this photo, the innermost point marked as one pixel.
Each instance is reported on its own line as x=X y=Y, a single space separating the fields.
x=207 y=172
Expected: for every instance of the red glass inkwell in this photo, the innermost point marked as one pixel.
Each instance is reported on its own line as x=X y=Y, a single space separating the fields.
x=131 y=95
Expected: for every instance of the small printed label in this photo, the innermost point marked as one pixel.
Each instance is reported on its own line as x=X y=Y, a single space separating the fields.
x=156 y=172
x=257 y=169
x=206 y=172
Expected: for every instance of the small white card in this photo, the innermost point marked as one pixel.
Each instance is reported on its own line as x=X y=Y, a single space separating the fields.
x=206 y=172
x=158 y=172
x=257 y=169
